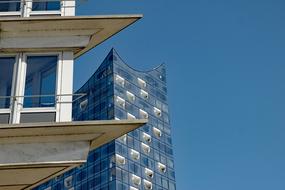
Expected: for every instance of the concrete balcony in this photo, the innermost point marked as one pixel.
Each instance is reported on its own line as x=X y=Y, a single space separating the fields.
x=31 y=154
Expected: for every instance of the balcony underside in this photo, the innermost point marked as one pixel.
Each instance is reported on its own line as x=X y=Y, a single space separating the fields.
x=31 y=154
x=54 y=33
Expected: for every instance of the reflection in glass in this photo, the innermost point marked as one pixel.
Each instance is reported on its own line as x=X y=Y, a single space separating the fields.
x=46 y=6
x=8 y=7
x=6 y=75
x=40 y=81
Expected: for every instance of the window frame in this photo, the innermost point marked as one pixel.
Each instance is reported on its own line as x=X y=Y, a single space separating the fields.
x=13 y=82
x=24 y=62
x=12 y=13
x=46 y=12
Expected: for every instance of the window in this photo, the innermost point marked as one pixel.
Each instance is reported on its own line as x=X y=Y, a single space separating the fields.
x=145 y=148
x=146 y=137
x=157 y=111
x=157 y=132
x=142 y=83
x=147 y=184
x=6 y=6
x=148 y=173
x=68 y=182
x=143 y=114
x=6 y=76
x=134 y=154
x=144 y=94
x=120 y=80
x=131 y=96
x=161 y=167
x=49 y=5
x=130 y=116
x=120 y=159
x=136 y=180
x=40 y=81
x=120 y=102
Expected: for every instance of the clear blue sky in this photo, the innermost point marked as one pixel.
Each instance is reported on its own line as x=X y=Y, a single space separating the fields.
x=226 y=80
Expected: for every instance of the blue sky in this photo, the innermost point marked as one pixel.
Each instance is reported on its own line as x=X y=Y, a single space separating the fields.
x=226 y=65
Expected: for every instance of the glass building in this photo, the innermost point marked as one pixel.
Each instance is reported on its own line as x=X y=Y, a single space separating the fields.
x=142 y=159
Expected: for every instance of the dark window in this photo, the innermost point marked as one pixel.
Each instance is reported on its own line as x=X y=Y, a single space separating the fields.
x=6 y=75
x=9 y=7
x=40 y=81
x=46 y=6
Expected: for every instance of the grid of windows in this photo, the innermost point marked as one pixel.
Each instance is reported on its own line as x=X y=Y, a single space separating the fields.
x=142 y=159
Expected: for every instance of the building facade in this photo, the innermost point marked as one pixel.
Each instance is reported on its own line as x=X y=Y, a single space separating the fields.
x=141 y=159
x=40 y=39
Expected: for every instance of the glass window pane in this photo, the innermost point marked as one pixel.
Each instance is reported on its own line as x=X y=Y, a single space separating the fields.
x=40 y=81
x=46 y=6
x=7 y=7
x=6 y=76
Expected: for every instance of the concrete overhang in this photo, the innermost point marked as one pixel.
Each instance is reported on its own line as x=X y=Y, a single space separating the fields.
x=31 y=154
x=55 y=33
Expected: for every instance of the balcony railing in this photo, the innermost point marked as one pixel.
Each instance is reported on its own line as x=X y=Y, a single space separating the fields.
x=32 y=101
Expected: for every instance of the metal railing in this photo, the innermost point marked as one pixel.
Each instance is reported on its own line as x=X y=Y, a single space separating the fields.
x=57 y=98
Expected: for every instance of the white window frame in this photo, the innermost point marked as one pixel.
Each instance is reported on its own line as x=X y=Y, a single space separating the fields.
x=22 y=82
x=12 y=13
x=9 y=110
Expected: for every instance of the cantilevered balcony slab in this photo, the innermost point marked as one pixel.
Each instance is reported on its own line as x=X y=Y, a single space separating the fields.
x=31 y=154
x=54 y=33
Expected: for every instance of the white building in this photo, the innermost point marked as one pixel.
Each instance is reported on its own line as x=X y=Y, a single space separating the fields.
x=39 y=41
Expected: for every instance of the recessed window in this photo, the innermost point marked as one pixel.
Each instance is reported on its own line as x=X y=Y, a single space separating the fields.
x=136 y=180
x=120 y=80
x=6 y=76
x=144 y=94
x=157 y=132
x=120 y=159
x=46 y=5
x=68 y=182
x=120 y=101
x=40 y=85
x=141 y=83
x=134 y=154
x=145 y=148
x=146 y=137
x=157 y=112
x=143 y=114
x=161 y=167
x=147 y=185
x=6 y=6
x=123 y=139
x=130 y=116
x=133 y=188
x=131 y=96
x=83 y=105
x=148 y=173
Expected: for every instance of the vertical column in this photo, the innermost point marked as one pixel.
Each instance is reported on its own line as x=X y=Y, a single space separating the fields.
x=65 y=87
x=18 y=91
x=27 y=8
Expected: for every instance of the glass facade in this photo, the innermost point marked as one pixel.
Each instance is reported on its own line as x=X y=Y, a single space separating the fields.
x=142 y=159
x=6 y=6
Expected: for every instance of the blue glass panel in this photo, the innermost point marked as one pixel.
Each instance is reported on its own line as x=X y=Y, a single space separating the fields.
x=6 y=75
x=46 y=6
x=40 y=81
x=8 y=7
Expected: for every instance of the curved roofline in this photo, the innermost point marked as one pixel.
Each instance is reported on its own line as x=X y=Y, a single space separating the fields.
x=140 y=71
